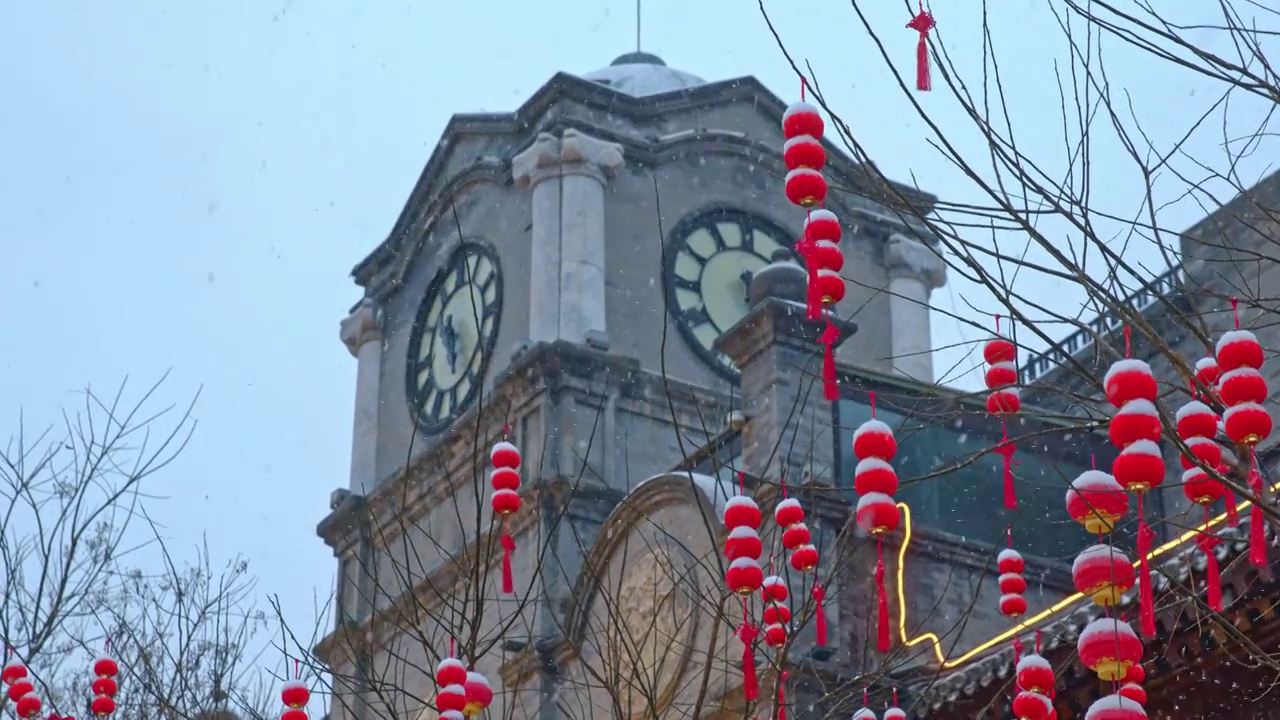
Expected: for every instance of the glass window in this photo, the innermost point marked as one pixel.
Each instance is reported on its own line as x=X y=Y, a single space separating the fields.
x=954 y=483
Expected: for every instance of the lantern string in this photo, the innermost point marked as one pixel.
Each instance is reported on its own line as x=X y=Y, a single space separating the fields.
x=453 y=647
x=107 y=644
x=506 y=430
x=871 y=398
x=1235 y=311
x=895 y=697
x=1128 y=342
x=742 y=482
x=1008 y=532
x=297 y=668
x=1037 y=641
x=782 y=483
x=866 y=693
x=997 y=324
x=804 y=84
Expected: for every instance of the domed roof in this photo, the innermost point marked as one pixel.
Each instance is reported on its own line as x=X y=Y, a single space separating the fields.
x=640 y=74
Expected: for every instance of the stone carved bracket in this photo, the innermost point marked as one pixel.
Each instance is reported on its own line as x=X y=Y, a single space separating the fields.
x=908 y=257
x=362 y=326
x=574 y=153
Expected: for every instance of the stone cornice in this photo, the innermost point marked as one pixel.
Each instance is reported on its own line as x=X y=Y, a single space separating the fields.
x=775 y=322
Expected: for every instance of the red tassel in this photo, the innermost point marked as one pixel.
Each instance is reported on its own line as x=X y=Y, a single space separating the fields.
x=1212 y=575
x=1147 y=601
x=1257 y=523
x=508 y=547
x=1006 y=449
x=782 y=695
x=882 y=636
x=820 y=614
x=830 y=388
x=750 y=686
x=922 y=23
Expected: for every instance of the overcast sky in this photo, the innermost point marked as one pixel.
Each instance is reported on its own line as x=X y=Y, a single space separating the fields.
x=185 y=186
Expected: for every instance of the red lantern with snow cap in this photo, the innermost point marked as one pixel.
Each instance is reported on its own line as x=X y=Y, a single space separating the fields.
x=29 y=706
x=452 y=697
x=1195 y=419
x=1115 y=707
x=801 y=118
x=448 y=715
x=1207 y=372
x=775 y=589
x=1103 y=573
x=1129 y=379
x=804 y=151
x=1200 y=488
x=1097 y=501
x=1109 y=647
x=1134 y=692
x=295 y=695
x=826 y=255
x=1135 y=675
x=877 y=514
x=775 y=613
x=505 y=501
x=822 y=226
x=1004 y=402
x=1013 y=606
x=804 y=558
x=13 y=671
x=744 y=575
x=1238 y=349
x=1012 y=584
x=1035 y=674
x=1136 y=420
x=479 y=694
x=1001 y=375
x=874 y=475
x=795 y=536
x=999 y=350
x=874 y=439
x=865 y=714
x=788 y=512
x=1242 y=385
x=1010 y=561
x=1247 y=424
x=1208 y=452
x=741 y=511
x=1029 y=705
x=805 y=187
x=19 y=688
x=775 y=635
x=743 y=542
x=895 y=713
x=1139 y=467
x=451 y=671
x=830 y=286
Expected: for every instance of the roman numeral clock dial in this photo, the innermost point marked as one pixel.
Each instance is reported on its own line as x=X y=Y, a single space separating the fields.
x=453 y=337
x=711 y=259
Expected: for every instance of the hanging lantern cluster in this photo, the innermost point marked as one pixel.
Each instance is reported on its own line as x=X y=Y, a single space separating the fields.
x=1197 y=426
x=1013 y=585
x=505 y=480
x=819 y=245
x=20 y=689
x=1139 y=468
x=804 y=555
x=295 y=697
x=777 y=614
x=1002 y=380
x=462 y=693
x=877 y=513
x=743 y=576
x=105 y=687
x=1242 y=390
x=1033 y=677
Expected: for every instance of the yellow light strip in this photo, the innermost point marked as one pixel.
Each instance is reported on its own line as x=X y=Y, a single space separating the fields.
x=1025 y=624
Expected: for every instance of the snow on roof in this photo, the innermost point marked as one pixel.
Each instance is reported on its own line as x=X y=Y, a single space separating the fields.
x=718 y=491
x=642 y=74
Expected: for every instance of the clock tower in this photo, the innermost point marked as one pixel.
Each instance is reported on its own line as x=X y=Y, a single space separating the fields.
x=565 y=270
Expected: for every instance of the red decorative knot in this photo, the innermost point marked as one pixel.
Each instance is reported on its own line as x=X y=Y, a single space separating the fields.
x=1103 y=573
x=1238 y=349
x=1097 y=501
x=1029 y=705
x=1109 y=647
x=1115 y=707
x=1035 y=674
x=1136 y=420
x=1012 y=585
x=1139 y=467
x=804 y=151
x=479 y=694
x=1129 y=379
x=922 y=23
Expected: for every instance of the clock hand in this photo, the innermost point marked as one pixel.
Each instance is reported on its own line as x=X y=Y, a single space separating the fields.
x=449 y=336
x=746 y=285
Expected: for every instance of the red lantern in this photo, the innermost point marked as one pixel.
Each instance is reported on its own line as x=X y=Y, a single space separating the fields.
x=105 y=686
x=1238 y=349
x=825 y=255
x=1195 y=419
x=1207 y=372
x=1115 y=707
x=775 y=635
x=13 y=671
x=822 y=225
x=874 y=475
x=804 y=558
x=1129 y=379
x=1208 y=452
x=795 y=536
x=1242 y=385
x=865 y=714
x=1010 y=561
x=504 y=479
x=1012 y=584
x=102 y=706
x=1031 y=706
x=1096 y=501
x=1109 y=647
x=743 y=542
x=804 y=151
x=28 y=706
x=999 y=350
x=830 y=286
x=105 y=667
x=1139 y=467
x=1135 y=675
x=744 y=576
x=741 y=511
x=874 y=439
x=505 y=502
x=479 y=694
x=20 y=688
x=1001 y=375
x=1035 y=674
x=1134 y=692
x=801 y=118
x=505 y=455
x=295 y=695
x=1200 y=488
x=895 y=713
x=451 y=697
x=1136 y=420
x=776 y=614
x=877 y=513
x=805 y=187
x=775 y=589
x=1247 y=424
x=1103 y=573
x=291 y=714
x=788 y=512
x=1004 y=402
x=1013 y=606
x=451 y=671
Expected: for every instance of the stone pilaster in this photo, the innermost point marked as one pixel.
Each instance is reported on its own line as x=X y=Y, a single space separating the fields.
x=567 y=286
x=915 y=271
x=361 y=332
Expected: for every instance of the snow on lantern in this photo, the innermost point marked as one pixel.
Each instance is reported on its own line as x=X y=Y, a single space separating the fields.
x=893 y=712
x=1136 y=420
x=1029 y=705
x=1109 y=647
x=479 y=694
x=1035 y=674
x=1134 y=692
x=1207 y=372
x=1097 y=501
x=876 y=512
x=1242 y=385
x=1103 y=573
x=505 y=480
x=1128 y=380
x=451 y=680
x=1195 y=419
x=1115 y=707
x=1002 y=379
x=1204 y=450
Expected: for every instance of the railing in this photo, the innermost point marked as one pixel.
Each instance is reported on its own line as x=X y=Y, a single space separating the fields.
x=1077 y=342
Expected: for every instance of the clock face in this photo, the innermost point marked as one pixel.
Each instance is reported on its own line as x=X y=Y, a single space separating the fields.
x=453 y=337
x=710 y=262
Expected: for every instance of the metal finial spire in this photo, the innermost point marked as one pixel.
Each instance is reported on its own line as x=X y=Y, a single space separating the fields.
x=638 y=25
